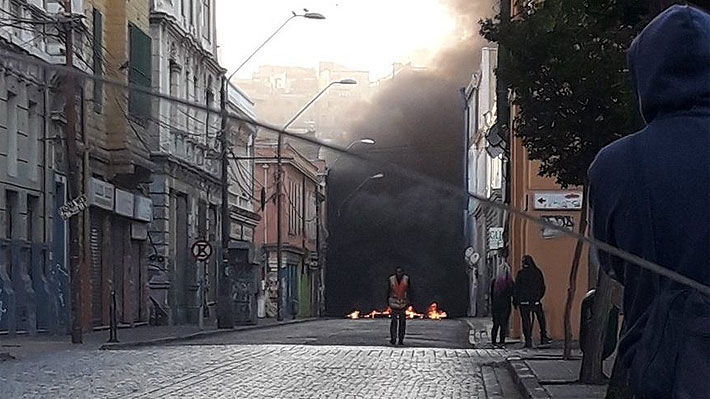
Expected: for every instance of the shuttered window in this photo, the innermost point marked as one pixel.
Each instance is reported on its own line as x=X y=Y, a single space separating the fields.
x=139 y=73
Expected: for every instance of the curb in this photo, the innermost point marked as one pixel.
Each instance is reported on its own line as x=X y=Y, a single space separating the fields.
x=199 y=334
x=526 y=380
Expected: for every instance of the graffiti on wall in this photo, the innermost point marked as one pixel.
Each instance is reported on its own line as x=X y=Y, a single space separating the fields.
x=564 y=221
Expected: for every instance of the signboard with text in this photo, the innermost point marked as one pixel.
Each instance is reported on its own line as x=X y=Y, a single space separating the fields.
x=557 y=200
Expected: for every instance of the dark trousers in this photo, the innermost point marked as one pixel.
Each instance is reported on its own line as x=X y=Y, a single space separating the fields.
x=499 y=326
x=399 y=318
x=526 y=312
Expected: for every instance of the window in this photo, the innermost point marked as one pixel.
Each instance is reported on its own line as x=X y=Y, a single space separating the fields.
x=34 y=134
x=191 y=13
x=98 y=64
x=140 y=72
x=12 y=149
x=32 y=218
x=10 y=207
x=206 y=19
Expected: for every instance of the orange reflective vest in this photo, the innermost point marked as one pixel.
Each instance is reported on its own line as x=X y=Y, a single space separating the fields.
x=398 y=292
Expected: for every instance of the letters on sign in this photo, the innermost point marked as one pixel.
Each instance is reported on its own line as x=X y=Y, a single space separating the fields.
x=564 y=221
x=72 y=207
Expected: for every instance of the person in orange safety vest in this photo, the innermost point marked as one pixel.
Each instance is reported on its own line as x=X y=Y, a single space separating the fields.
x=398 y=289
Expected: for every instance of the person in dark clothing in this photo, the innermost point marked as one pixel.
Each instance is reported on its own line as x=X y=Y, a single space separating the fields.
x=529 y=290
x=398 y=289
x=501 y=295
x=650 y=196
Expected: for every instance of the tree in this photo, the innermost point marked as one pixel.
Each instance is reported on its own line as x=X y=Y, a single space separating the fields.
x=567 y=69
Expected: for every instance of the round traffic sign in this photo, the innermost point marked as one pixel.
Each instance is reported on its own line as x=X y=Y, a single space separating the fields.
x=201 y=250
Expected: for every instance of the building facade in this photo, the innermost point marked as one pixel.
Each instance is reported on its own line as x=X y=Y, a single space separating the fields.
x=485 y=161
x=301 y=278
x=552 y=252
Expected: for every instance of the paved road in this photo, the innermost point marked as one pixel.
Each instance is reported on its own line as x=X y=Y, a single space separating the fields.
x=420 y=333
x=254 y=369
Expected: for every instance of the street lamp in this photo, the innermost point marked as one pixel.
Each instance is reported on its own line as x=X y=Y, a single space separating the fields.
x=367 y=141
x=352 y=193
x=225 y=315
x=279 y=185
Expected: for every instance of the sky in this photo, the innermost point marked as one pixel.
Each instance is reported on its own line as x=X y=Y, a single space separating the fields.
x=360 y=34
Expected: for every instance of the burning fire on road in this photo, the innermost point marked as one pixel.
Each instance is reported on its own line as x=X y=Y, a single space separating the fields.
x=433 y=313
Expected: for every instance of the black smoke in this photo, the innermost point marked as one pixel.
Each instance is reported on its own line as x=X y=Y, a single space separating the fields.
x=417 y=119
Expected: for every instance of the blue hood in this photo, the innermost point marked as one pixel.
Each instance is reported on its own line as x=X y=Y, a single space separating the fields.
x=670 y=62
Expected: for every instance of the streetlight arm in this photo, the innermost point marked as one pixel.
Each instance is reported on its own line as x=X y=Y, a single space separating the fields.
x=262 y=45
x=352 y=193
x=305 y=107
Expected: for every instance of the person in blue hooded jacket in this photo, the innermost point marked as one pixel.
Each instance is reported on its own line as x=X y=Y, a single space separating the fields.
x=650 y=196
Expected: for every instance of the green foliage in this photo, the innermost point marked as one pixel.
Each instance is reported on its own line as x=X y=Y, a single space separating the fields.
x=566 y=63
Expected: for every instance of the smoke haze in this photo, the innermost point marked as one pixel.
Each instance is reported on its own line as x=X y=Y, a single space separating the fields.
x=417 y=121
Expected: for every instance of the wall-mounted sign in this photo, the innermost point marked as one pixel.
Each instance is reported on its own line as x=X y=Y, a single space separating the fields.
x=236 y=231
x=495 y=238
x=124 y=203
x=248 y=234
x=72 y=207
x=564 y=221
x=143 y=208
x=101 y=194
x=557 y=200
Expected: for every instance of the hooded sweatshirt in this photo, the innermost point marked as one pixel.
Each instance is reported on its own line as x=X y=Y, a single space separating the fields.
x=650 y=191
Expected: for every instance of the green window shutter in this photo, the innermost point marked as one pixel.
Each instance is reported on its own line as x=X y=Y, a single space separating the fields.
x=139 y=72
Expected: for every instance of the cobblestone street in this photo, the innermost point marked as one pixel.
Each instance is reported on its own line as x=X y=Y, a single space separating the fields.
x=230 y=370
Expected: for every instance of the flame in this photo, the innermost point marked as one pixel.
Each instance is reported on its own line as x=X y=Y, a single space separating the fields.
x=376 y=313
x=433 y=312
x=411 y=314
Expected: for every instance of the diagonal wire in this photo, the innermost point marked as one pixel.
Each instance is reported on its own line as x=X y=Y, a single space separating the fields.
x=447 y=188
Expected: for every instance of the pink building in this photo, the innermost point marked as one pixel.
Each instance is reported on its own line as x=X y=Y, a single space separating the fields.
x=302 y=273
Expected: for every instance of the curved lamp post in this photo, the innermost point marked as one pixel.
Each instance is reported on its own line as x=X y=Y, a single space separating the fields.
x=225 y=315
x=352 y=193
x=367 y=141
x=279 y=185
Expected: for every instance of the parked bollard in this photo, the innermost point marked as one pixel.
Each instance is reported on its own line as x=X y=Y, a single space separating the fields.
x=113 y=329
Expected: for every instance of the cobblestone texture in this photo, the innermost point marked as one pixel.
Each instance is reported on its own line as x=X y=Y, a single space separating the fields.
x=251 y=371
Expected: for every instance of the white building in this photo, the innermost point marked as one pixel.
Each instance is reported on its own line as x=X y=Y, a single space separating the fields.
x=485 y=165
x=186 y=183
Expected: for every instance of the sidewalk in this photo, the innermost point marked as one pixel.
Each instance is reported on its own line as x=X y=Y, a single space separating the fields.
x=538 y=373
x=30 y=347
x=543 y=373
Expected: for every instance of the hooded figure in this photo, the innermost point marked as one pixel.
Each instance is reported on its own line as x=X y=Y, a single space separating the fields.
x=650 y=196
x=529 y=290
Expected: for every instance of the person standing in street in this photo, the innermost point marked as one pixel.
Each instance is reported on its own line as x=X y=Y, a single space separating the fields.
x=528 y=293
x=398 y=289
x=635 y=205
x=501 y=295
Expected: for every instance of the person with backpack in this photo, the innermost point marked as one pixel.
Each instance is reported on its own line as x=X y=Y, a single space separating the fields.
x=650 y=196
x=527 y=296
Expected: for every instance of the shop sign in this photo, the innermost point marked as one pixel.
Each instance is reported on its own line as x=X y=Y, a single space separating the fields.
x=495 y=238
x=124 y=203
x=248 y=234
x=236 y=233
x=143 y=209
x=559 y=200
x=101 y=194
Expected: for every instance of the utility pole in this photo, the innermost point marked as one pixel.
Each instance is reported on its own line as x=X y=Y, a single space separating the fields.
x=279 y=241
x=72 y=177
x=225 y=309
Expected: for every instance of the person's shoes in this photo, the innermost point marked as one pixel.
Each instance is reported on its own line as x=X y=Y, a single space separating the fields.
x=392 y=342
x=401 y=343
x=528 y=345
x=545 y=340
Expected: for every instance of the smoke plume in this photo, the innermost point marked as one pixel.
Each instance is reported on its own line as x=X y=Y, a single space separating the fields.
x=417 y=120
